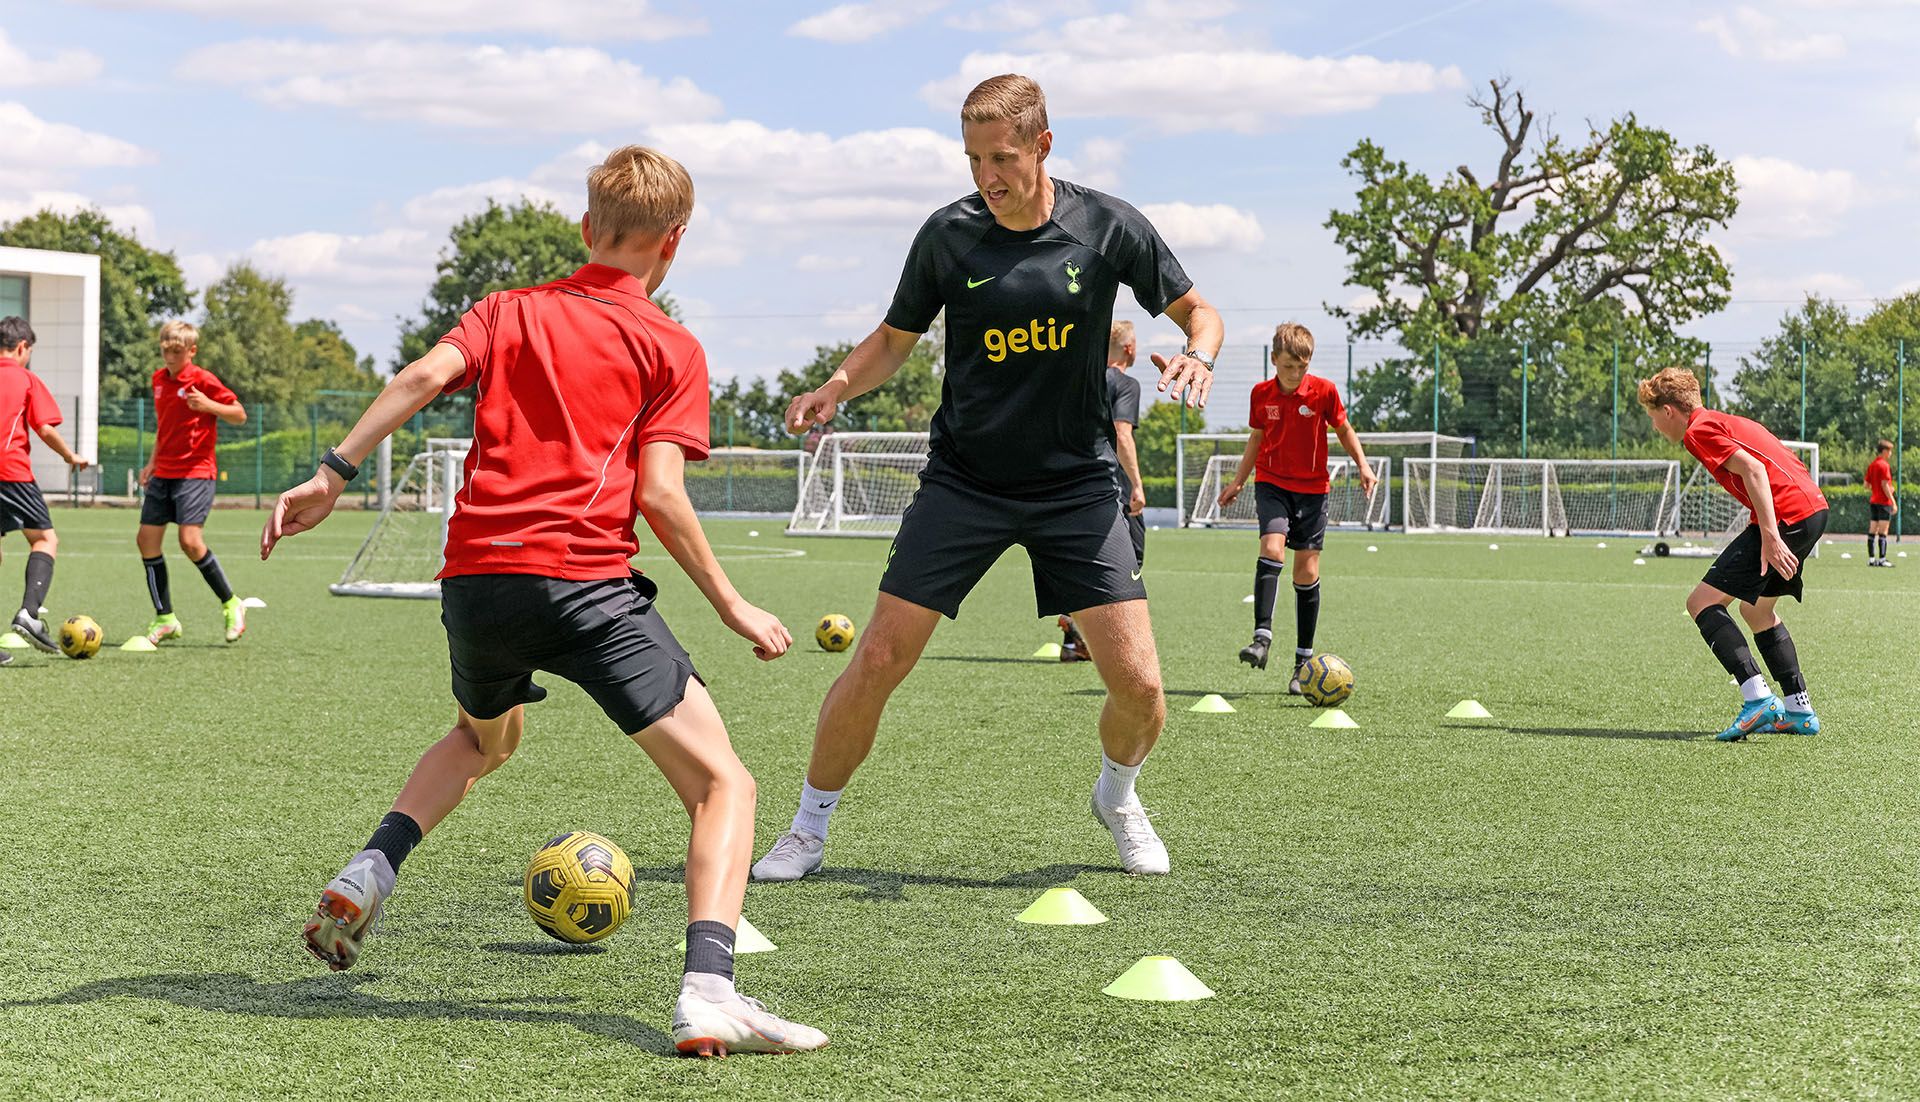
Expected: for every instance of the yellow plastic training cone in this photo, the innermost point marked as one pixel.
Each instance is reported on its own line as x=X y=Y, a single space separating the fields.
x=12 y=641
x=1212 y=702
x=1158 y=979
x=138 y=645
x=1469 y=709
x=746 y=939
x=1061 y=907
x=1334 y=717
x=1050 y=650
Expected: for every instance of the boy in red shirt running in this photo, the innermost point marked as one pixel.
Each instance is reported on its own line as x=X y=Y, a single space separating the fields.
x=1880 y=503
x=1761 y=564
x=1288 y=448
x=188 y=402
x=590 y=402
x=27 y=409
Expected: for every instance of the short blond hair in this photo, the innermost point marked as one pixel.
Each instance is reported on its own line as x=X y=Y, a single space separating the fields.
x=1294 y=338
x=638 y=191
x=1009 y=97
x=179 y=334
x=1678 y=387
x=1117 y=339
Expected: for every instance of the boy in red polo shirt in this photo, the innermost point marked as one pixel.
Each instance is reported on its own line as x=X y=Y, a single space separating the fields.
x=590 y=402
x=27 y=409
x=188 y=403
x=1287 y=447
x=1880 y=503
x=1762 y=564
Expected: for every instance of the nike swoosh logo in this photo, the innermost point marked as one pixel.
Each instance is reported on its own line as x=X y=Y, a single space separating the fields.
x=826 y=805
x=724 y=947
x=1136 y=575
x=972 y=283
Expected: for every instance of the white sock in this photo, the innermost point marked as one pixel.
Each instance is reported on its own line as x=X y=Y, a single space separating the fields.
x=1301 y=654
x=1754 y=688
x=709 y=986
x=1799 y=702
x=815 y=806
x=1264 y=635
x=1115 y=786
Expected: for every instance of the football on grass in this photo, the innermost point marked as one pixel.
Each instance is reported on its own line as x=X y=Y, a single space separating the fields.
x=1325 y=680
x=79 y=637
x=579 y=887
x=834 y=633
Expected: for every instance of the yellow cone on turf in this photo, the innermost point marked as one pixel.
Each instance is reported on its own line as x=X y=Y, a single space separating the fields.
x=1158 y=979
x=138 y=645
x=1061 y=907
x=1334 y=717
x=746 y=939
x=1212 y=702
x=12 y=641
x=1050 y=650
x=1469 y=709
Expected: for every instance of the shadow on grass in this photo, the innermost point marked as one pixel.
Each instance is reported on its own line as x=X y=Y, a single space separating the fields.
x=543 y=948
x=1595 y=732
x=881 y=884
x=993 y=660
x=331 y=997
x=1196 y=694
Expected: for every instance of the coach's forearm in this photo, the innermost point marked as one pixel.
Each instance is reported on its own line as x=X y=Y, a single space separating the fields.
x=872 y=362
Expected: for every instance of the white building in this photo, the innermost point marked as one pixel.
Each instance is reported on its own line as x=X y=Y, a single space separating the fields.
x=59 y=295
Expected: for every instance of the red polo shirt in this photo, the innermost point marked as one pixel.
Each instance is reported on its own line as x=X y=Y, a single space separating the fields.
x=1293 y=432
x=183 y=440
x=1879 y=481
x=25 y=405
x=573 y=377
x=1713 y=438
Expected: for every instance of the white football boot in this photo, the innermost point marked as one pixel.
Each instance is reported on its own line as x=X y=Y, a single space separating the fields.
x=712 y=1019
x=349 y=909
x=1141 y=851
x=796 y=854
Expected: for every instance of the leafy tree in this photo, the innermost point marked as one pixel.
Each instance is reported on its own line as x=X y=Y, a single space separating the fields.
x=139 y=287
x=1850 y=372
x=247 y=339
x=1154 y=438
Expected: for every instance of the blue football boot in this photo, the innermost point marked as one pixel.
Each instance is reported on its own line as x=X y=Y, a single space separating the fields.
x=1797 y=723
x=1755 y=715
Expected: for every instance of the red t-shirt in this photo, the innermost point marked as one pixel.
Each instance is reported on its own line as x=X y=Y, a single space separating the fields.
x=183 y=440
x=1879 y=481
x=25 y=404
x=1712 y=438
x=1293 y=427
x=574 y=376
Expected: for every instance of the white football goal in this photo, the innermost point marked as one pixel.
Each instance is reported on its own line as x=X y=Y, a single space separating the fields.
x=1194 y=451
x=1704 y=507
x=859 y=484
x=1550 y=497
x=1347 y=506
x=407 y=544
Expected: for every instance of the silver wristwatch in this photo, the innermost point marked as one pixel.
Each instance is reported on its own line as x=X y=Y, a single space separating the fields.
x=1195 y=355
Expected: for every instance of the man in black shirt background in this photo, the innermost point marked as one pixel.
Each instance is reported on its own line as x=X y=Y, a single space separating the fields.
x=1123 y=403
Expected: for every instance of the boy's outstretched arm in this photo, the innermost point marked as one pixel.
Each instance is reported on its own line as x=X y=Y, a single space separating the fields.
x=661 y=494
x=1350 y=440
x=51 y=436
x=1232 y=489
x=406 y=394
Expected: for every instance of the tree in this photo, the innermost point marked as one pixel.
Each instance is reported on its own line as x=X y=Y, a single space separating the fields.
x=139 y=287
x=247 y=339
x=1850 y=372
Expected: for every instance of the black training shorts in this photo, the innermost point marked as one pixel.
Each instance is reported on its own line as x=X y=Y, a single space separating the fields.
x=1737 y=571
x=23 y=506
x=1083 y=551
x=1137 y=531
x=605 y=636
x=1879 y=512
x=1302 y=518
x=177 y=501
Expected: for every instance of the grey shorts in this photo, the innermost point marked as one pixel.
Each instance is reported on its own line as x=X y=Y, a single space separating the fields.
x=177 y=501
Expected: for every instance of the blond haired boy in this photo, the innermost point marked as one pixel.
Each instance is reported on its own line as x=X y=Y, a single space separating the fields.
x=590 y=403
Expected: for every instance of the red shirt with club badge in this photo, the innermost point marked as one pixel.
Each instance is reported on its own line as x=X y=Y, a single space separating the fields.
x=183 y=440
x=1293 y=428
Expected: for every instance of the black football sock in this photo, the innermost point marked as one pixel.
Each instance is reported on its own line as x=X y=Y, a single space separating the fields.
x=39 y=577
x=710 y=949
x=1783 y=661
x=1266 y=590
x=157 y=584
x=1728 y=643
x=395 y=837
x=216 y=577
x=1306 y=614
x=1883 y=546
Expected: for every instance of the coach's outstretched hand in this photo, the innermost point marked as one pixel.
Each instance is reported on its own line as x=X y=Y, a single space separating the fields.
x=770 y=637
x=815 y=407
x=1184 y=375
x=299 y=509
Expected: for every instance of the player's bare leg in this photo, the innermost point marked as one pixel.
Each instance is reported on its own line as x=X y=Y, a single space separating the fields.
x=1121 y=638
x=849 y=721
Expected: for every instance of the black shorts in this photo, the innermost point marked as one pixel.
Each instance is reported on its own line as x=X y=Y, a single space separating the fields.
x=1737 y=571
x=1083 y=552
x=23 y=506
x=1879 y=512
x=1137 y=530
x=605 y=636
x=1302 y=518
x=177 y=501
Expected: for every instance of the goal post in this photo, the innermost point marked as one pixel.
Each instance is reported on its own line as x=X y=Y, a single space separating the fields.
x=1549 y=497
x=1193 y=451
x=1347 y=505
x=406 y=547
x=859 y=484
x=1703 y=506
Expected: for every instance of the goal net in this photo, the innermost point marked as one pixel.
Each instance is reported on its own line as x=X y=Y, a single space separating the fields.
x=1552 y=497
x=1347 y=505
x=859 y=484
x=406 y=546
x=1193 y=451
x=1702 y=506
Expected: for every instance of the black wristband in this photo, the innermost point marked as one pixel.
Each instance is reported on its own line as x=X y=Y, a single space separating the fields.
x=332 y=460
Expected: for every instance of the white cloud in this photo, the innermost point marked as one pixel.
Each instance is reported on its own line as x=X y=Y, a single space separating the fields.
x=826 y=262
x=553 y=90
x=846 y=23
x=20 y=67
x=1187 y=227
x=1913 y=136
x=36 y=146
x=1771 y=289
x=403 y=256
x=1014 y=16
x=1748 y=32
x=567 y=20
x=1783 y=200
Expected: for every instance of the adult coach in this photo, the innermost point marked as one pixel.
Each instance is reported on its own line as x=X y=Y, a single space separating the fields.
x=1027 y=271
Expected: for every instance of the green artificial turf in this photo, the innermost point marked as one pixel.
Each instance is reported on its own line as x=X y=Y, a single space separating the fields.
x=1584 y=896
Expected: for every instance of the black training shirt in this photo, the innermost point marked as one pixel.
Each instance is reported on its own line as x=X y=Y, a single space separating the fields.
x=1023 y=407
x=1123 y=398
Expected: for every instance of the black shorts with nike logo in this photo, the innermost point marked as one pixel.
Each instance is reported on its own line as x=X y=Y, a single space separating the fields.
x=1082 y=550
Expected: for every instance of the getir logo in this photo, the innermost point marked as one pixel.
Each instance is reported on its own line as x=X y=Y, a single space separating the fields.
x=1032 y=337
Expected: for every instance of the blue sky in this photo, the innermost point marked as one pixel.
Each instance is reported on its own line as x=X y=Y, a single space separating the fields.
x=333 y=144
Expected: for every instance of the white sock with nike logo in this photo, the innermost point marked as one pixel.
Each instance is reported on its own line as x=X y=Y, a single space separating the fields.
x=1115 y=786
x=815 y=806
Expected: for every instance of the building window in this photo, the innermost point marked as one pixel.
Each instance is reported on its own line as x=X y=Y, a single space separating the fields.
x=13 y=296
